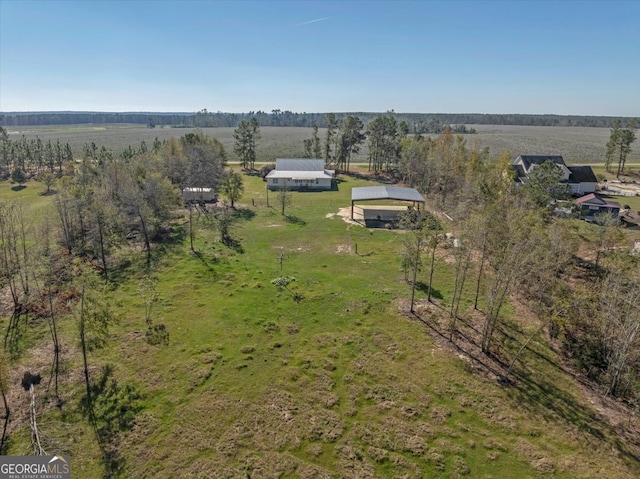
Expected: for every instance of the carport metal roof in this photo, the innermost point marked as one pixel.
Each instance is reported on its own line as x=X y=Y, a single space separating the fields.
x=368 y=193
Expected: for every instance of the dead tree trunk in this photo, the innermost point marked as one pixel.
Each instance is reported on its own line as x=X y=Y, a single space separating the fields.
x=7 y=415
x=434 y=246
x=415 y=274
x=480 y=270
x=462 y=266
x=28 y=382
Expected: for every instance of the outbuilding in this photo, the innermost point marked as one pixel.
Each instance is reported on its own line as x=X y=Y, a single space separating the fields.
x=592 y=204
x=378 y=215
x=198 y=195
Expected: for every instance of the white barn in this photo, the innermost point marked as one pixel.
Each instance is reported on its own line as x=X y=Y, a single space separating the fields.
x=300 y=174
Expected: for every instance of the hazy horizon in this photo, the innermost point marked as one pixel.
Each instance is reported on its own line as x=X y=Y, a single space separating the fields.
x=538 y=58
x=132 y=112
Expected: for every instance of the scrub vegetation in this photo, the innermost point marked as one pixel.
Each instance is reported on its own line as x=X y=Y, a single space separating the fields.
x=483 y=339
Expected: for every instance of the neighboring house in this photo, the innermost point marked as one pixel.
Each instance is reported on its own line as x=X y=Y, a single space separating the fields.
x=300 y=174
x=198 y=195
x=580 y=179
x=592 y=204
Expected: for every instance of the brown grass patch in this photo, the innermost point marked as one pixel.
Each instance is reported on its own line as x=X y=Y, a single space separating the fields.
x=343 y=249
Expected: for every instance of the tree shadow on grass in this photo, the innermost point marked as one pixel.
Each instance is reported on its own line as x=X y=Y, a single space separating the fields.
x=204 y=261
x=167 y=240
x=172 y=235
x=18 y=187
x=112 y=411
x=233 y=244
x=244 y=213
x=294 y=220
x=478 y=359
x=542 y=397
x=14 y=334
x=424 y=288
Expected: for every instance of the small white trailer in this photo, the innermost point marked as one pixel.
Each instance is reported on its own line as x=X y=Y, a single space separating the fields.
x=198 y=195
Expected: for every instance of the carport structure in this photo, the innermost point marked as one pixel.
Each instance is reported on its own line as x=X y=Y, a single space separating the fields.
x=398 y=193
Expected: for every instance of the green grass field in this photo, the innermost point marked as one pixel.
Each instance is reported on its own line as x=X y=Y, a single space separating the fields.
x=340 y=384
x=578 y=145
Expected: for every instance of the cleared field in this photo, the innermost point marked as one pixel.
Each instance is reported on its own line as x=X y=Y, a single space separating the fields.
x=578 y=145
x=276 y=141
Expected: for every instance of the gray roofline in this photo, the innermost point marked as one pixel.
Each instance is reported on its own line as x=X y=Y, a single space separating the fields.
x=370 y=193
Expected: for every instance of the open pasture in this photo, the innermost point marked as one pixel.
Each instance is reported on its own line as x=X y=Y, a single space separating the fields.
x=281 y=142
x=578 y=145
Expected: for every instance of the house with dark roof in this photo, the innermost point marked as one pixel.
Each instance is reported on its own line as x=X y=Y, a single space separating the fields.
x=580 y=179
x=300 y=174
x=592 y=204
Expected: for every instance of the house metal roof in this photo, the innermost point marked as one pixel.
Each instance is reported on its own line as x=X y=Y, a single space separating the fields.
x=368 y=193
x=191 y=189
x=299 y=164
x=299 y=174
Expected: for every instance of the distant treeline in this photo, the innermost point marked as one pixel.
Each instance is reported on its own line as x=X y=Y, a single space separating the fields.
x=418 y=122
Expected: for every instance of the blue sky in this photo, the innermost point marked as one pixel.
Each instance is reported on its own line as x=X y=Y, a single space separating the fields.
x=562 y=57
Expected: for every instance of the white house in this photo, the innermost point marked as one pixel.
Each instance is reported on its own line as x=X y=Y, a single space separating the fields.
x=580 y=179
x=300 y=174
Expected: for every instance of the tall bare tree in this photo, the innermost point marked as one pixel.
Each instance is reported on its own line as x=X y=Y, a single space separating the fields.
x=15 y=265
x=330 y=139
x=512 y=247
x=424 y=228
x=620 y=315
x=462 y=253
x=284 y=198
x=3 y=393
x=94 y=316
